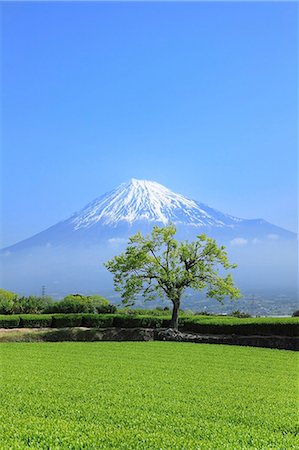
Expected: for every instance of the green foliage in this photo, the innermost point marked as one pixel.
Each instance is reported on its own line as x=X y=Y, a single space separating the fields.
x=32 y=305
x=188 y=312
x=66 y=320
x=8 y=294
x=99 y=300
x=6 y=306
x=7 y=321
x=240 y=314
x=97 y=320
x=159 y=265
x=126 y=321
x=73 y=304
x=77 y=303
x=7 y=301
x=197 y=324
x=153 y=395
x=296 y=313
x=11 y=303
x=35 y=320
x=238 y=326
x=144 y=312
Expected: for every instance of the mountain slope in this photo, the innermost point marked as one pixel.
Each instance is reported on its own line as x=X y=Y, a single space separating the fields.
x=148 y=201
x=138 y=205
x=69 y=256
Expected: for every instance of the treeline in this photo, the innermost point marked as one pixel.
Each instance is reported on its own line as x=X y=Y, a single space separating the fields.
x=11 y=303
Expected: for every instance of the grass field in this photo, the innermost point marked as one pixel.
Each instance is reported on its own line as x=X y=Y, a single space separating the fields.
x=155 y=395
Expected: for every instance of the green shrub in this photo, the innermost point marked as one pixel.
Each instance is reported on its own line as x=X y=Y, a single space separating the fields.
x=143 y=312
x=9 y=321
x=246 y=327
x=35 y=321
x=197 y=324
x=70 y=306
x=32 y=305
x=11 y=303
x=107 y=309
x=81 y=304
x=66 y=320
x=7 y=301
x=126 y=321
x=97 y=320
x=6 y=306
x=101 y=305
x=166 y=322
x=203 y=313
x=295 y=313
x=151 y=322
x=240 y=314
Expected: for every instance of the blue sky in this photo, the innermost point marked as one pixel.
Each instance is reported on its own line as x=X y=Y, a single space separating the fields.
x=199 y=97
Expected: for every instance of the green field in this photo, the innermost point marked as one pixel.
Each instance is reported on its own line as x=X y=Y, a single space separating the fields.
x=155 y=395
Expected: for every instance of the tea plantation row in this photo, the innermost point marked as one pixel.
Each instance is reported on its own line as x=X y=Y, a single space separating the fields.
x=198 y=324
x=147 y=396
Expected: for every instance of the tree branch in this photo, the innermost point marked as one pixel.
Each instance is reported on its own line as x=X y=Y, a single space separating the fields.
x=157 y=260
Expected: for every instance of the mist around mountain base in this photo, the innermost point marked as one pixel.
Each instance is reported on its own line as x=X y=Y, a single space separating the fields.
x=267 y=272
x=68 y=257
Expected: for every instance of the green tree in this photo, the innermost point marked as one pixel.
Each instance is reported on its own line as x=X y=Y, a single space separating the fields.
x=159 y=265
x=32 y=305
x=7 y=301
x=78 y=303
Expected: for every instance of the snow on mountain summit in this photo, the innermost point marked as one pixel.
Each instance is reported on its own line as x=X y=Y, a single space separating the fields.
x=136 y=206
x=139 y=200
x=68 y=256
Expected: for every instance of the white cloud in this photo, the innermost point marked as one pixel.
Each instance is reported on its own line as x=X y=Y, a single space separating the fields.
x=239 y=241
x=273 y=237
x=256 y=241
x=117 y=241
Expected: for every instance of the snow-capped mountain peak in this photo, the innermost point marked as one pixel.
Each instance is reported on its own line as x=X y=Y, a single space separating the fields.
x=143 y=200
x=70 y=251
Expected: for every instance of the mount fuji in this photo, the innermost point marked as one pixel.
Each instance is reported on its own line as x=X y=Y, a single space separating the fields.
x=68 y=256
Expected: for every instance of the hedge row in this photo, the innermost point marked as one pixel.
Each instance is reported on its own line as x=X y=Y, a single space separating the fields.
x=35 y=320
x=79 y=320
x=216 y=325
x=245 y=327
x=9 y=321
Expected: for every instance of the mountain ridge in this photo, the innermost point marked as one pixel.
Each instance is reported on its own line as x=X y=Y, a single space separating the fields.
x=141 y=204
x=144 y=200
x=69 y=256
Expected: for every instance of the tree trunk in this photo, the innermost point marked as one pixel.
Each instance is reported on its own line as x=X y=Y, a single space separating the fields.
x=174 y=323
